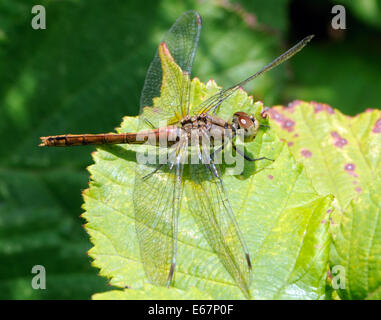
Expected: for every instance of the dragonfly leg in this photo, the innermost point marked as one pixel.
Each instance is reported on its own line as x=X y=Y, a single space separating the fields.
x=213 y=171
x=217 y=151
x=149 y=123
x=153 y=172
x=171 y=273
x=248 y=158
x=207 y=160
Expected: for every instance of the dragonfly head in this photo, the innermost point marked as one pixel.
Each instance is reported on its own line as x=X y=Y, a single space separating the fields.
x=247 y=123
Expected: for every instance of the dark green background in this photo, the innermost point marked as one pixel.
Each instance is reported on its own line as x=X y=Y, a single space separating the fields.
x=85 y=72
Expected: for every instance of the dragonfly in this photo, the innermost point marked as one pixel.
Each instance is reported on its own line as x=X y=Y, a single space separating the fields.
x=158 y=189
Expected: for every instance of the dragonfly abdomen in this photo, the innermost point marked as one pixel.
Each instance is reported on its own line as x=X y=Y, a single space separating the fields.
x=169 y=134
x=67 y=140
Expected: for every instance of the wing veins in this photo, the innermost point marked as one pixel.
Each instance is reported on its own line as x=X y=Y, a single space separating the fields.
x=215 y=218
x=157 y=204
x=222 y=95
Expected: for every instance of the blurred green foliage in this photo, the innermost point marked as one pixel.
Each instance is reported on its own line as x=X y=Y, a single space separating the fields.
x=85 y=72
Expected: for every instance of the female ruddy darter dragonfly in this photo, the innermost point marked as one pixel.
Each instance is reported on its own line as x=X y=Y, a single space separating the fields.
x=158 y=190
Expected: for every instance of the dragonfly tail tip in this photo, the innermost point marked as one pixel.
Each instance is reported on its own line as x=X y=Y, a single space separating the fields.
x=309 y=38
x=43 y=142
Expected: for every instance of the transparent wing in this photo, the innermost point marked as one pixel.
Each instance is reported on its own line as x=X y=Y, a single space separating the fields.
x=213 y=214
x=181 y=42
x=212 y=103
x=157 y=197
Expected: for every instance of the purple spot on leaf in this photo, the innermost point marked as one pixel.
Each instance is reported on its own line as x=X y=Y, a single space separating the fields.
x=338 y=141
x=322 y=107
x=290 y=143
x=270 y=177
x=276 y=115
x=286 y=123
x=350 y=168
x=341 y=143
x=358 y=189
x=318 y=107
x=306 y=153
x=377 y=126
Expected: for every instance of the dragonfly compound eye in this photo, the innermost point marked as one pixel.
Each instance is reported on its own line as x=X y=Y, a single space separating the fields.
x=248 y=124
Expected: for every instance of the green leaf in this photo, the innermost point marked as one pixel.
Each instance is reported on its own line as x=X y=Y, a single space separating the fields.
x=342 y=156
x=357 y=247
x=150 y=292
x=279 y=212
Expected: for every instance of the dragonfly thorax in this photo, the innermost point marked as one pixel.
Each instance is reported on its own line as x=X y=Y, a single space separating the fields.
x=247 y=123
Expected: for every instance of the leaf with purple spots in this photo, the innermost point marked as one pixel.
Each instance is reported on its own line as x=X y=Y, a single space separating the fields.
x=337 y=150
x=342 y=156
